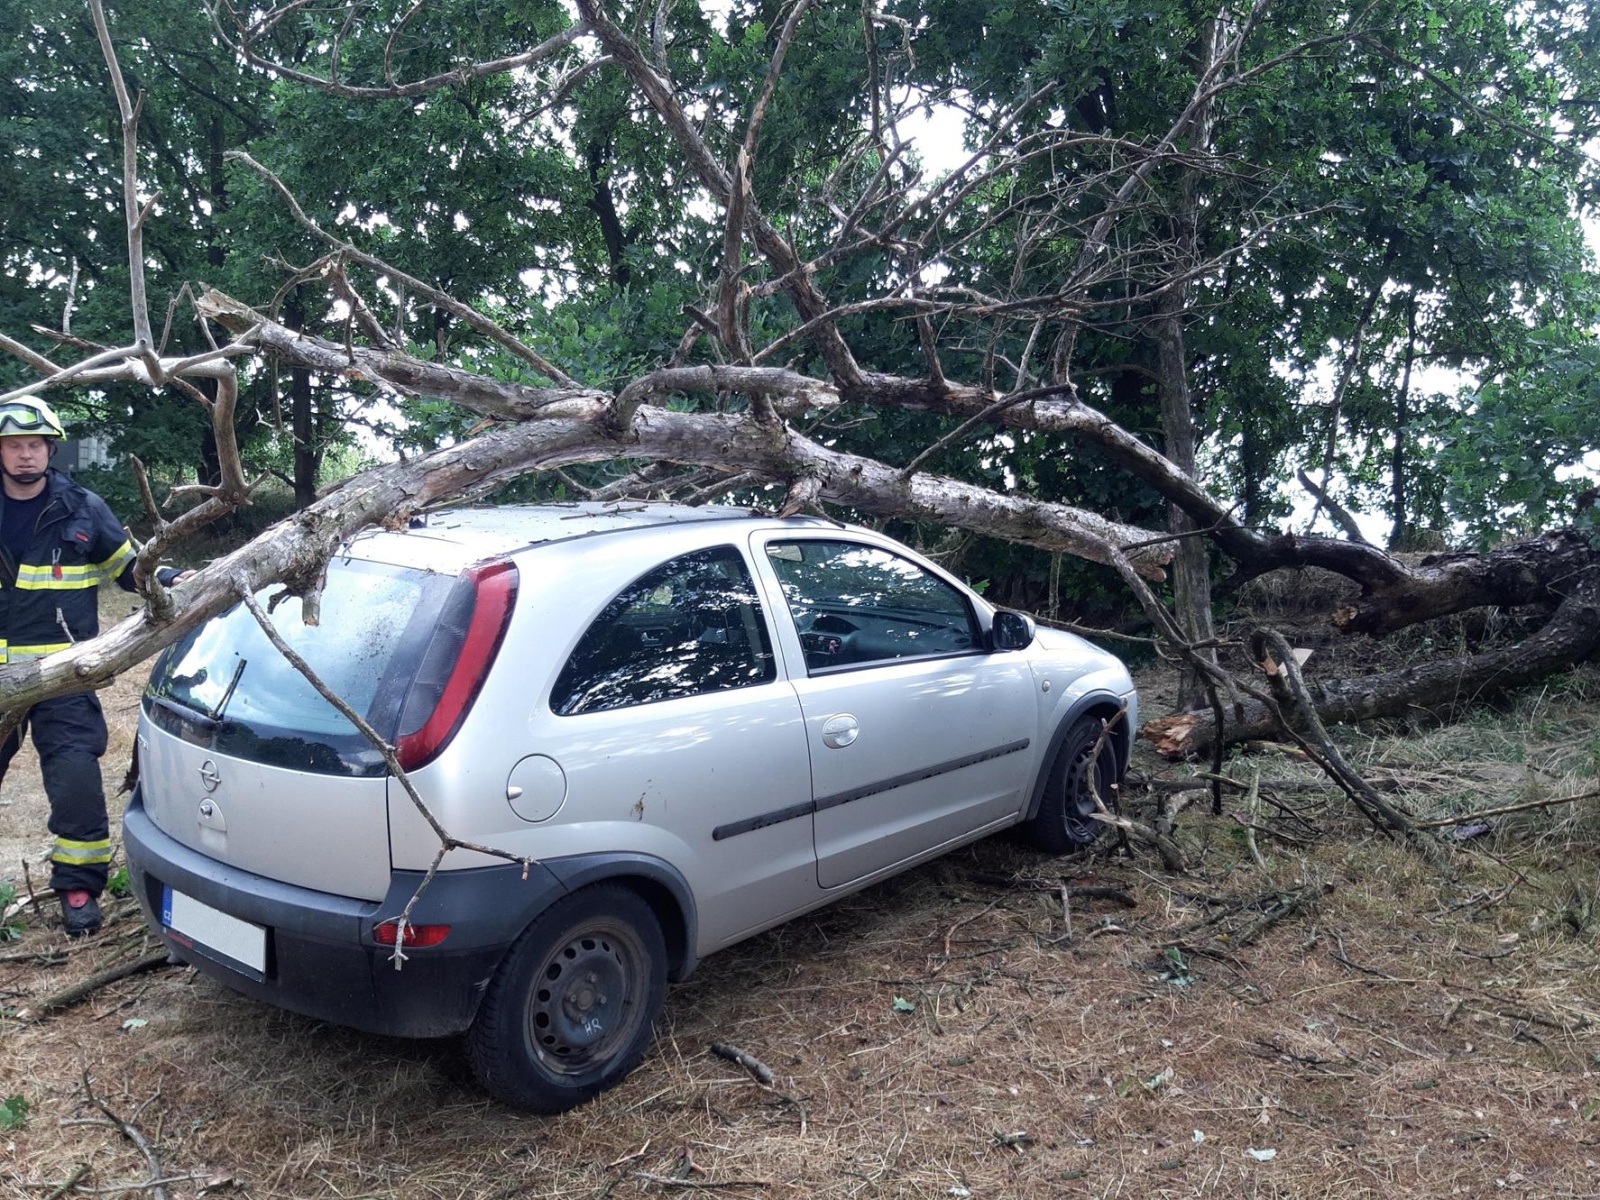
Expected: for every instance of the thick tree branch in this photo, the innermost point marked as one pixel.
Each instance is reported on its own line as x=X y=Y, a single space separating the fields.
x=594 y=426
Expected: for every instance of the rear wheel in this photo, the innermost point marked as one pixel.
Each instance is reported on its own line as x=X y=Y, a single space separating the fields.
x=570 y=1010
x=1085 y=765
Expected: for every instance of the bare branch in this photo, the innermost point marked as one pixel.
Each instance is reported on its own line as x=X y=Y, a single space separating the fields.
x=770 y=84
x=139 y=308
x=27 y=354
x=456 y=308
x=659 y=91
x=244 y=38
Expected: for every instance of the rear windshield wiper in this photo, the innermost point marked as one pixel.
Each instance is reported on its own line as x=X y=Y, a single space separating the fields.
x=204 y=718
x=184 y=712
x=227 y=692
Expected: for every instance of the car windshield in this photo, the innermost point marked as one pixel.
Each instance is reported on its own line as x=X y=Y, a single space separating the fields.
x=226 y=681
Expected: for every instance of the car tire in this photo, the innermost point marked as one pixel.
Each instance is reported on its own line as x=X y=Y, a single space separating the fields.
x=572 y=1007
x=1086 y=760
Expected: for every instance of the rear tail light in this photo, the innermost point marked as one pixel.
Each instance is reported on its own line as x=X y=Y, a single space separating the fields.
x=417 y=936
x=455 y=665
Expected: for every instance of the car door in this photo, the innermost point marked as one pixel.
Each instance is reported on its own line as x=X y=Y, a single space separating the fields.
x=918 y=737
x=671 y=719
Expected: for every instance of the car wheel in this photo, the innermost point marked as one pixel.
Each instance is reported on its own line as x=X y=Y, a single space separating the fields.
x=1085 y=763
x=570 y=1010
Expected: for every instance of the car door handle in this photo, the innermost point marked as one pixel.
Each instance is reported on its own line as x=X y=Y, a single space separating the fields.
x=839 y=731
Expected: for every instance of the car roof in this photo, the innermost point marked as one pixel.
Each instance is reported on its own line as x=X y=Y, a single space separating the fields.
x=450 y=539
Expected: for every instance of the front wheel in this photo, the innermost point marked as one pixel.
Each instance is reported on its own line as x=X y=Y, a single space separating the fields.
x=571 y=1009
x=1084 y=766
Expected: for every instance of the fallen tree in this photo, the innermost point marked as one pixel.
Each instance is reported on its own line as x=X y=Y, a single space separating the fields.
x=1435 y=689
x=719 y=416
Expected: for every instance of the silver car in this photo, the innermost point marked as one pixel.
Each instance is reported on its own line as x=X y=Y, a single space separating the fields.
x=676 y=727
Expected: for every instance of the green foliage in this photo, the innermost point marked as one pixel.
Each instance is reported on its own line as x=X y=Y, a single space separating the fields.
x=10 y=930
x=1174 y=968
x=13 y=1114
x=1511 y=453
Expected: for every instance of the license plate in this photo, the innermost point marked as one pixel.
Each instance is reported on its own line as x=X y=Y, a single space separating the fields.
x=195 y=923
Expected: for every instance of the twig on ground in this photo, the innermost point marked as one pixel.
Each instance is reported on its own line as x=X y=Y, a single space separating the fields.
x=1171 y=855
x=1297 y=842
x=700 y=1184
x=1271 y=650
x=33 y=895
x=763 y=1075
x=1288 y=904
x=80 y=992
x=1252 y=802
x=1533 y=1018
x=132 y=1133
x=1078 y=891
x=70 y=1182
x=950 y=933
x=39 y=958
x=757 y=1068
x=1100 y=930
x=1339 y=956
x=1467 y=818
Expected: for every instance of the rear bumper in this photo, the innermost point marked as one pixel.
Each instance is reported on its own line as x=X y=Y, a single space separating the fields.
x=321 y=959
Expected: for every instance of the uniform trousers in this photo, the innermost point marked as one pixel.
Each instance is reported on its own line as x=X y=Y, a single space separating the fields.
x=69 y=732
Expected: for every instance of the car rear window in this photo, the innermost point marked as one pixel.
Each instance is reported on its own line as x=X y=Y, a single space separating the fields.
x=226 y=686
x=691 y=626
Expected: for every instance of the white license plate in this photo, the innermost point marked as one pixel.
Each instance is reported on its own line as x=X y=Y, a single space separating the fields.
x=197 y=924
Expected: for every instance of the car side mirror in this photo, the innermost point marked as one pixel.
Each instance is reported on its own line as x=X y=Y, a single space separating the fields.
x=1011 y=630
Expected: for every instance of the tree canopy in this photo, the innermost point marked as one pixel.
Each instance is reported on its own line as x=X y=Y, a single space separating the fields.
x=1054 y=272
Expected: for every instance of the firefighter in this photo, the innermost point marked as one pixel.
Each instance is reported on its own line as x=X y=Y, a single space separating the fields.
x=58 y=540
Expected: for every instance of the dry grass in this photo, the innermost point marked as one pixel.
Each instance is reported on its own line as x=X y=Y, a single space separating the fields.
x=1400 y=1034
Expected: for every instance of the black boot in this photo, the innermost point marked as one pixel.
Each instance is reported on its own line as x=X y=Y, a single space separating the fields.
x=80 y=912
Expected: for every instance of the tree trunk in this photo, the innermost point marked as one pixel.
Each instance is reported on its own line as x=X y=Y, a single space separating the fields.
x=604 y=207
x=1191 y=573
x=1399 y=535
x=301 y=425
x=1191 y=580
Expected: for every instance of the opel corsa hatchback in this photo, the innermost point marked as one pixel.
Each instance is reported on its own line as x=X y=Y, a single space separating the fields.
x=682 y=725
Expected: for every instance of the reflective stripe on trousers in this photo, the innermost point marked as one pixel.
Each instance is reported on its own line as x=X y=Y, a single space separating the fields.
x=81 y=853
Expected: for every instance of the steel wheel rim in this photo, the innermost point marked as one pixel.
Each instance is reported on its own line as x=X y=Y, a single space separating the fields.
x=587 y=997
x=1084 y=777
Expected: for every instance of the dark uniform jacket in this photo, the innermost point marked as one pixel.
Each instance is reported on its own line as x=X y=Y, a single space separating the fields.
x=50 y=599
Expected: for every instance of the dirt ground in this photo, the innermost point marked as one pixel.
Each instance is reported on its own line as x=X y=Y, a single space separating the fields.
x=1336 y=1019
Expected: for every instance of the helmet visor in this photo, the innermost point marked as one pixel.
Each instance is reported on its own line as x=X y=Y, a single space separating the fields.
x=25 y=419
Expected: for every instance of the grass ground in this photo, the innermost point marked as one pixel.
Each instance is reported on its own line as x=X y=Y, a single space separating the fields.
x=1336 y=1019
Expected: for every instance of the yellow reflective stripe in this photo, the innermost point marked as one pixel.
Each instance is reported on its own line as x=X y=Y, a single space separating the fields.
x=73 y=578
x=15 y=651
x=81 y=853
x=59 y=576
x=120 y=557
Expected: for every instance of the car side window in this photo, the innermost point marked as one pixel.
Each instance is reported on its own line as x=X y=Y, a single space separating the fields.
x=692 y=625
x=856 y=604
